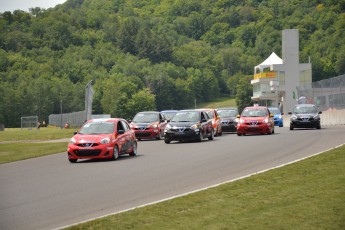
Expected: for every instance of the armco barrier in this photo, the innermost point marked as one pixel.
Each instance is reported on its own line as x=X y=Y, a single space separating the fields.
x=334 y=117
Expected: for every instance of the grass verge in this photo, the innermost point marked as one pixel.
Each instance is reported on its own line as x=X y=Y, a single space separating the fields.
x=304 y=195
x=51 y=133
x=223 y=102
x=22 y=151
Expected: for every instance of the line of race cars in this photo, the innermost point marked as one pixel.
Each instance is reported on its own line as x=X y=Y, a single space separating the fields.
x=108 y=138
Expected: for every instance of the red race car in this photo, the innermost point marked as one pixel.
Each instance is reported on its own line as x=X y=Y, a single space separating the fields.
x=149 y=125
x=102 y=139
x=255 y=120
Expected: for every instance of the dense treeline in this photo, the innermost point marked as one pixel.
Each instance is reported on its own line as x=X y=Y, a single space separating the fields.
x=150 y=54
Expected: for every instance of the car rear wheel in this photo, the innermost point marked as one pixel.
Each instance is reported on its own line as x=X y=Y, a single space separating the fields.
x=134 y=150
x=73 y=160
x=115 y=153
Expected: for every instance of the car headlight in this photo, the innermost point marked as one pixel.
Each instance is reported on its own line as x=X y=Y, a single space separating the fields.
x=241 y=121
x=280 y=116
x=168 y=126
x=293 y=117
x=265 y=120
x=152 y=126
x=195 y=126
x=105 y=140
x=316 y=117
x=72 y=141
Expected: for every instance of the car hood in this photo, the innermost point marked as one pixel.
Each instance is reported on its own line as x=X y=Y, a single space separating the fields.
x=182 y=124
x=306 y=114
x=227 y=118
x=81 y=138
x=142 y=124
x=249 y=119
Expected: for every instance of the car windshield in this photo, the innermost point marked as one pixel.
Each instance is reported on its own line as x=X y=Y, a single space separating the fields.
x=146 y=118
x=210 y=114
x=254 y=113
x=227 y=113
x=97 y=128
x=274 y=110
x=305 y=109
x=169 y=115
x=189 y=116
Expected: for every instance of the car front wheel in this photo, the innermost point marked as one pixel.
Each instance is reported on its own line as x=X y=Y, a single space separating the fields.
x=115 y=153
x=73 y=160
x=200 y=137
x=166 y=141
x=211 y=137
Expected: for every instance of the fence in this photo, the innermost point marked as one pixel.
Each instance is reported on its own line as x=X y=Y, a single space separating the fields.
x=74 y=119
x=326 y=94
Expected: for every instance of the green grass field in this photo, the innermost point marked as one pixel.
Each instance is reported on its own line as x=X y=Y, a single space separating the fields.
x=51 y=133
x=306 y=195
x=20 y=144
x=218 y=103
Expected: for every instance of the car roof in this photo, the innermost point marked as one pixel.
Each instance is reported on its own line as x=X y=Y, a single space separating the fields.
x=190 y=110
x=167 y=111
x=305 y=105
x=149 y=112
x=229 y=108
x=256 y=107
x=105 y=119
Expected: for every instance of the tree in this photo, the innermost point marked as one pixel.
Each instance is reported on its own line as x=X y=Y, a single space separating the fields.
x=244 y=92
x=143 y=100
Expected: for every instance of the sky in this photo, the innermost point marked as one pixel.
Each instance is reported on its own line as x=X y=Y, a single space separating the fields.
x=11 y=5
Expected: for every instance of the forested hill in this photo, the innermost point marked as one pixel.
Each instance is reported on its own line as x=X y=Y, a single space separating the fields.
x=154 y=54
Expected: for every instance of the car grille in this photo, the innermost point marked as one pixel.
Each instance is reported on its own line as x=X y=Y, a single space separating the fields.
x=305 y=119
x=143 y=134
x=87 y=144
x=181 y=130
x=87 y=152
x=140 y=128
x=253 y=123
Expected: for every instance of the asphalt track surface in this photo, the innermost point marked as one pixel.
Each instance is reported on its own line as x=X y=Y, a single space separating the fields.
x=49 y=192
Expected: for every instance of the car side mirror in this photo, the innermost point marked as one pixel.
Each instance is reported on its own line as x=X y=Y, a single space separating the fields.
x=75 y=132
x=320 y=112
x=120 y=131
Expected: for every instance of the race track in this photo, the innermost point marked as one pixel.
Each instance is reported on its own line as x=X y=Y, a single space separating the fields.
x=49 y=192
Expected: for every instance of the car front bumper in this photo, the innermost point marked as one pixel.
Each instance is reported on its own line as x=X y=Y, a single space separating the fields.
x=182 y=136
x=305 y=124
x=97 y=152
x=253 y=129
